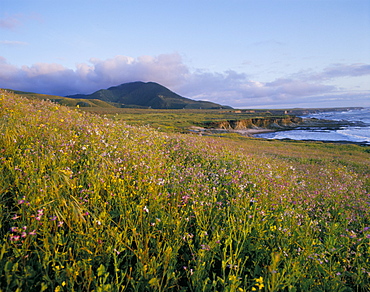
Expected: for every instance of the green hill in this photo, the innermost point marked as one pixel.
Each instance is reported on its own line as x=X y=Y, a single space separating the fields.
x=149 y=95
x=64 y=100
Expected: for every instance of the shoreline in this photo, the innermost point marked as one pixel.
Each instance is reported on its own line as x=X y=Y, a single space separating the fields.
x=342 y=142
x=252 y=132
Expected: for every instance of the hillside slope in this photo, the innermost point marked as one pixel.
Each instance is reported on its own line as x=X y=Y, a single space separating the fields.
x=64 y=100
x=88 y=203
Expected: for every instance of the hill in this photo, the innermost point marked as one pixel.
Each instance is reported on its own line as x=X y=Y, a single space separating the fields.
x=88 y=203
x=64 y=100
x=148 y=95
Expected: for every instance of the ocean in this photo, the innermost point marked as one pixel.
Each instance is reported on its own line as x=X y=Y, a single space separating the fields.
x=357 y=131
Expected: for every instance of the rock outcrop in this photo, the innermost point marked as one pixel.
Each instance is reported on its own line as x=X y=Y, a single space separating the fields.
x=253 y=123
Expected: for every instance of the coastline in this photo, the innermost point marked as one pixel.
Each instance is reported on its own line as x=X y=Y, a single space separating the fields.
x=347 y=127
x=252 y=132
x=342 y=142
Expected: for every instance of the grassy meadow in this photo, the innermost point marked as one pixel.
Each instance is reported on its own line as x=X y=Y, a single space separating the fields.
x=91 y=203
x=182 y=120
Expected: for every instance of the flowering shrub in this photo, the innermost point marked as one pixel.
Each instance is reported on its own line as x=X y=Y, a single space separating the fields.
x=92 y=204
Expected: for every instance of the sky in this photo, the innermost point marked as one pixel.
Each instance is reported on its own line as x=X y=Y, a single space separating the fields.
x=241 y=53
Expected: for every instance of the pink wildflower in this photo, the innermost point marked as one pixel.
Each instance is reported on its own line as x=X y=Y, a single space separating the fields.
x=14 y=229
x=14 y=237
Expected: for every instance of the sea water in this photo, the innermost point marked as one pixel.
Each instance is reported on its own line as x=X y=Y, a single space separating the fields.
x=359 y=132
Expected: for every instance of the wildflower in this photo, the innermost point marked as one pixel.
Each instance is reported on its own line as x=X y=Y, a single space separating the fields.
x=14 y=237
x=33 y=232
x=15 y=217
x=252 y=201
x=259 y=283
x=146 y=209
x=23 y=234
x=53 y=218
x=14 y=229
x=205 y=247
x=232 y=278
x=60 y=223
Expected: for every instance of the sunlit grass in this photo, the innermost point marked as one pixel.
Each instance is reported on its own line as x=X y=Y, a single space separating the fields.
x=180 y=120
x=93 y=204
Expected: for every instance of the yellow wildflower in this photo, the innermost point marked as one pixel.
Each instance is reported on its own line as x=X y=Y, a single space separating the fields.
x=259 y=280
x=260 y=284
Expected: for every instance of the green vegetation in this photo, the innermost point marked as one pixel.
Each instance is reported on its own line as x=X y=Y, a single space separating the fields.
x=90 y=203
x=73 y=102
x=181 y=120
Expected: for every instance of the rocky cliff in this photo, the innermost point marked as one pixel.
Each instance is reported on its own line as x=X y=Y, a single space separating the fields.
x=252 y=123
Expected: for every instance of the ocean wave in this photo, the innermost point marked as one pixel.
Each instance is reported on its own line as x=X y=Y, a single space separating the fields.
x=349 y=133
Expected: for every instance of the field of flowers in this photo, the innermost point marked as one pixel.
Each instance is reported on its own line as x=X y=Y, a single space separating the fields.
x=92 y=204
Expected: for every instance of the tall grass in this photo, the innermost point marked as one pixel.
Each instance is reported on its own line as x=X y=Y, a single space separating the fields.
x=92 y=204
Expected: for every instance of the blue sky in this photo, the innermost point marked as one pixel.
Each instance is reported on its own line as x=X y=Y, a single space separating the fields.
x=242 y=53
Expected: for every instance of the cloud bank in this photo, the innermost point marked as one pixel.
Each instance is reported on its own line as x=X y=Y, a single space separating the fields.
x=229 y=87
x=340 y=70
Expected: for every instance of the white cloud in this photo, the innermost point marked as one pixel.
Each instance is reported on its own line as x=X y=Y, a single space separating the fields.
x=335 y=71
x=340 y=70
x=229 y=88
x=13 y=43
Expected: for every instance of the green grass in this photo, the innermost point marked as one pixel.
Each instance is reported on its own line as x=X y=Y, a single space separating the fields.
x=71 y=102
x=91 y=203
x=179 y=121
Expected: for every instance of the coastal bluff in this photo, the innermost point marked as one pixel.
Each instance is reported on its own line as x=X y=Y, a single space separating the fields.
x=255 y=123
